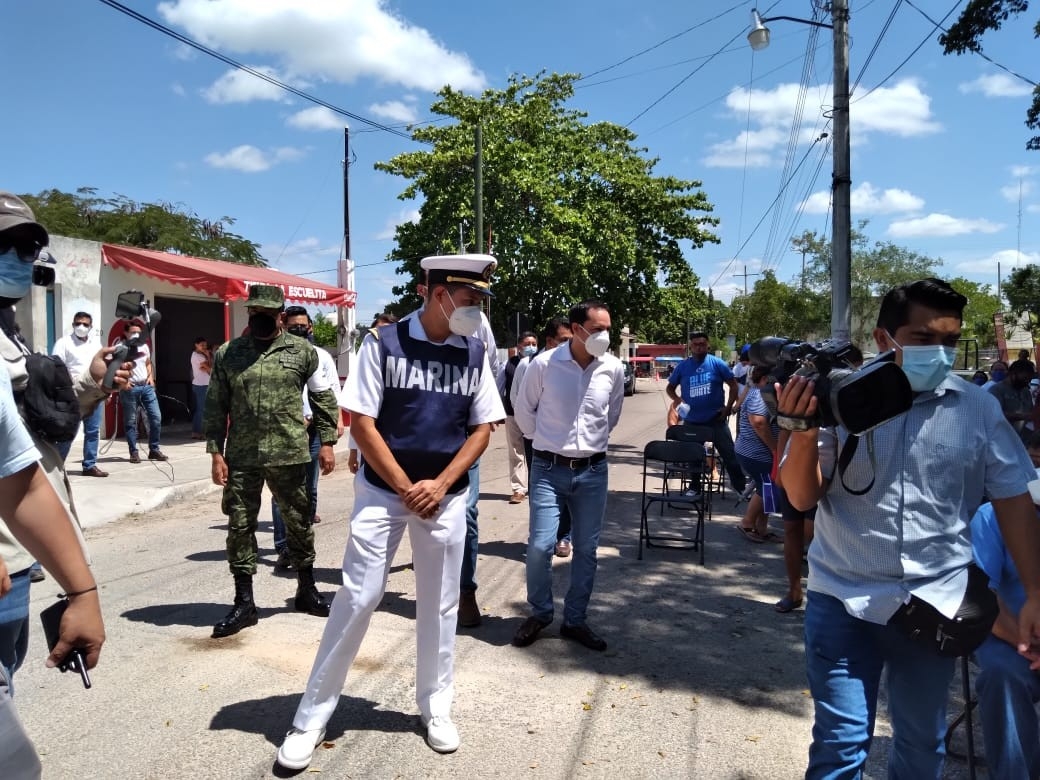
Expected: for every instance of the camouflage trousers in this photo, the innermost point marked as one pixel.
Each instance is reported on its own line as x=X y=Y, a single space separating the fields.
x=241 y=503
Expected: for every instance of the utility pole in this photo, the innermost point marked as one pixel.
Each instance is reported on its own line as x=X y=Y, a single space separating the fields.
x=478 y=186
x=841 y=265
x=746 y=275
x=347 y=315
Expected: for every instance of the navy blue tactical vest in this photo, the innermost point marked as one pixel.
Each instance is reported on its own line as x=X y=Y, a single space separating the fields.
x=428 y=390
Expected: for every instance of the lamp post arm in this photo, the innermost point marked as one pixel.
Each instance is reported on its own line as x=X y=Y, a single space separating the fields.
x=796 y=19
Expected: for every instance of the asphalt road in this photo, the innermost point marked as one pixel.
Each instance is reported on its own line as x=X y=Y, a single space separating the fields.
x=702 y=678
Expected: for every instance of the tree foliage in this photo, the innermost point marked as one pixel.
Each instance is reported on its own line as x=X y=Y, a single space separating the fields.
x=876 y=269
x=165 y=227
x=775 y=308
x=573 y=209
x=978 y=314
x=681 y=307
x=978 y=18
x=1022 y=290
x=325 y=331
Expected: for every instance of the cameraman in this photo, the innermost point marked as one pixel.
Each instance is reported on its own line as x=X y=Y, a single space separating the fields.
x=903 y=540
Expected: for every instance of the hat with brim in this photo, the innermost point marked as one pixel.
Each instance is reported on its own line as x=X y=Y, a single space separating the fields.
x=15 y=215
x=472 y=271
x=265 y=296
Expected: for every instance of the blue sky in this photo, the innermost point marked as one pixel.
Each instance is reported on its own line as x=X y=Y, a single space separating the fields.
x=938 y=158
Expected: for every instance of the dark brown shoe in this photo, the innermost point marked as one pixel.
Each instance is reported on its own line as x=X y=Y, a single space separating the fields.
x=517 y=498
x=94 y=471
x=584 y=635
x=563 y=548
x=134 y=457
x=528 y=631
x=469 y=612
x=157 y=455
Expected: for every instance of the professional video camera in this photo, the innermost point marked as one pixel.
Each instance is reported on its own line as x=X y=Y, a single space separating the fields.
x=131 y=305
x=858 y=400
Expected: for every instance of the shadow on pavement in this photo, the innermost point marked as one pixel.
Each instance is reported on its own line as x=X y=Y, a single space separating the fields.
x=198 y=615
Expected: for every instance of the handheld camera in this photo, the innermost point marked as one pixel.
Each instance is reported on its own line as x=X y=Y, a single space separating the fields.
x=131 y=305
x=857 y=399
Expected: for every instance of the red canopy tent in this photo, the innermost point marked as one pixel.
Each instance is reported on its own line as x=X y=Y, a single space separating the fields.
x=228 y=281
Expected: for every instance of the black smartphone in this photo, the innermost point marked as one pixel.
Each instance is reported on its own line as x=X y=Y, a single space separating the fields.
x=51 y=620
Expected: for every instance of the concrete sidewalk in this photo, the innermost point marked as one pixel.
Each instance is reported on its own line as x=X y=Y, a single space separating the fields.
x=133 y=488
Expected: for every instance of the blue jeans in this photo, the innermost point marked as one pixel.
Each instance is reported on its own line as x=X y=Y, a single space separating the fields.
x=722 y=438
x=144 y=395
x=14 y=625
x=468 y=577
x=199 y=393
x=844 y=659
x=584 y=492
x=91 y=434
x=313 y=471
x=1008 y=692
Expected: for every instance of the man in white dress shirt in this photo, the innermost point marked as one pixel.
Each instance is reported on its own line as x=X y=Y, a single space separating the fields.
x=77 y=350
x=422 y=399
x=568 y=404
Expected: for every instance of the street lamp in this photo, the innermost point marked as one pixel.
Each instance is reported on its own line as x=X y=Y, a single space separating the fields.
x=841 y=180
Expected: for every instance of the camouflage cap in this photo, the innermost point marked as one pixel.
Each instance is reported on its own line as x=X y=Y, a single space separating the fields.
x=265 y=296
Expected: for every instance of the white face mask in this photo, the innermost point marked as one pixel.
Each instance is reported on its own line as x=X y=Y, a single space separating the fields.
x=464 y=320
x=597 y=344
x=925 y=366
x=81 y=330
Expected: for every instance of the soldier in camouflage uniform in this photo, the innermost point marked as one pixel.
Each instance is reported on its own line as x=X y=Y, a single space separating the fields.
x=255 y=399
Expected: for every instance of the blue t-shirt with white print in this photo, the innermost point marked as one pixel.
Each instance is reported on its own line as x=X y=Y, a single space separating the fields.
x=701 y=384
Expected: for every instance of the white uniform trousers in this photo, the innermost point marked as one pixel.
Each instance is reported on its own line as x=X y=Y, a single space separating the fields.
x=517 y=461
x=376 y=529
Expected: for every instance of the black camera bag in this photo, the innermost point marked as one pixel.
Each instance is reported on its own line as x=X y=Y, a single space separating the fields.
x=49 y=402
x=957 y=636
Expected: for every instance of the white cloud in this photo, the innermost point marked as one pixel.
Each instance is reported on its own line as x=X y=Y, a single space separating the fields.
x=1033 y=208
x=1006 y=258
x=866 y=199
x=1011 y=192
x=1021 y=171
x=317 y=118
x=941 y=225
x=996 y=85
x=389 y=230
x=902 y=110
x=178 y=89
x=237 y=86
x=327 y=39
x=249 y=159
x=396 y=111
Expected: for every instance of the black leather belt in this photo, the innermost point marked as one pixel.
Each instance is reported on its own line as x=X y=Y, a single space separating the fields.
x=571 y=463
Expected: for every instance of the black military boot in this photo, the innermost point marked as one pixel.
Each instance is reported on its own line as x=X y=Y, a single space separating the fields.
x=243 y=614
x=307 y=597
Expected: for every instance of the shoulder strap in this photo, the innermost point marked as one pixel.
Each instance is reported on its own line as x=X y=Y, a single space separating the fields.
x=848 y=450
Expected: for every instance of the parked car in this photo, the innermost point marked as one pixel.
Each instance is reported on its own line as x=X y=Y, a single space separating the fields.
x=630 y=379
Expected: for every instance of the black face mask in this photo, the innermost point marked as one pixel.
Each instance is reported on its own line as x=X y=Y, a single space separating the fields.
x=302 y=331
x=262 y=326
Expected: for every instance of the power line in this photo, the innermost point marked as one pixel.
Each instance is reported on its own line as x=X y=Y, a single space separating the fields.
x=938 y=26
x=874 y=48
x=252 y=71
x=662 y=43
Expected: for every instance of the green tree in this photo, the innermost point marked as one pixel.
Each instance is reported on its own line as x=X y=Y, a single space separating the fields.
x=162 y=226
x=325 y=331
x=1022 y=290
x=876 y=269
x=681 y=306
x=775 y=308
x=573 y=210
x=978 y=314
x=978 y=18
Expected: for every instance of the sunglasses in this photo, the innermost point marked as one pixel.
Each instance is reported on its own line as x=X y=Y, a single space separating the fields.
x=27 y=253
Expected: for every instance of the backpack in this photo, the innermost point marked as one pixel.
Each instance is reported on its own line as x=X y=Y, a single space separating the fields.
x=49 y=402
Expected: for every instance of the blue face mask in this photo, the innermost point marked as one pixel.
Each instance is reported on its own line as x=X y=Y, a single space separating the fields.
x=999 y=376
x=979 y=380
x=15 y=275
x=926 y=366
x=529 y=351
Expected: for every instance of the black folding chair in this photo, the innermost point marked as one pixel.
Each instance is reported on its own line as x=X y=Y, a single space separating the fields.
x=966 y=718
x=688 y=501
x=702 y=435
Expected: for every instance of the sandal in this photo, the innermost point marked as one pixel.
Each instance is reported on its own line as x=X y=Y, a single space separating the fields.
x=787 y=604
x=771 y=536
x=751 y=535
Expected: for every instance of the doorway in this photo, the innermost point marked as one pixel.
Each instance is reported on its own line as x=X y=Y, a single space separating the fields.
x=183 y=320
